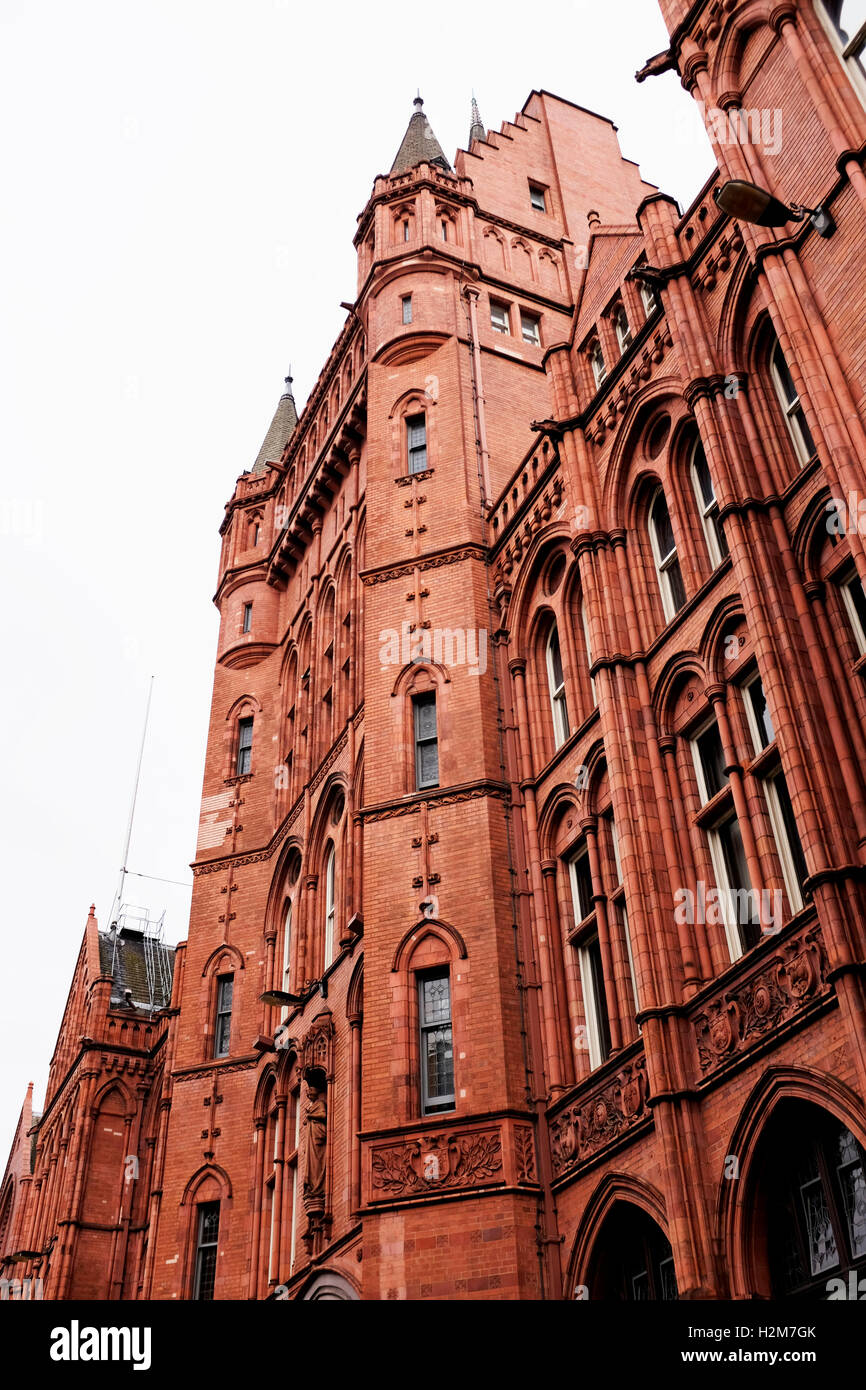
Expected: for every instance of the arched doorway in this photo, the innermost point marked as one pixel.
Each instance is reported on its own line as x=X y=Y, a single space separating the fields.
x=632 y=1260
x=332 y=1286
x=809 y=1224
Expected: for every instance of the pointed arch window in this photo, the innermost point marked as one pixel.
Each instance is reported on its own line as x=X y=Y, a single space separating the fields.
x=705 y=493
x=665 y=554
x=207 y=1240
x=789 y=400
x=330 y=905
x=597 y=362
x=556 y=686
x=622 y=330
x=243 y=763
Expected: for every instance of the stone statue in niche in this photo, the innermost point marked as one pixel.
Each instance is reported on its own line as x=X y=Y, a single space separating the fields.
x=316 y=1122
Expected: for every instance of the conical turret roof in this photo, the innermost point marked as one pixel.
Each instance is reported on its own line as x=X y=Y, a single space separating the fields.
x=281 y=430
x=419 y=145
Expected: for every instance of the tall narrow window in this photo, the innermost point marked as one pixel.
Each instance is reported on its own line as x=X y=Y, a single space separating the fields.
x=207 y=1238
x=500 y=319
x=789 y=400
x=426 y=741
x=585 y=621
x=854 y=598
x=738 y=903
x=248 y=617
x=556 y=686
x=710 y=762
x=444 y=229
x=594 y=1002
x=665 y=554
x=758 y=714
x=287 y=946
x=649 y=299
x=405 y=230
x=622 y=330
x=406 y=302
x=847 y=25
x=437 y=1047
x=581 y=885
x=709 y=507
x=597 y=362
x=330 y=905
x=529 y=328
x=222 y=1032
x=788 y=843
x=416 y=443
x=245 y=747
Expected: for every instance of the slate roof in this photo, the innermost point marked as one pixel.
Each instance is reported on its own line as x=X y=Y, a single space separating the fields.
x=281 y=430
x=130 y=969
x=419 y=145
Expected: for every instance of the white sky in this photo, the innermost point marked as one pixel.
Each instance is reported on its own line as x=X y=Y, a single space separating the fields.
x=180 y=185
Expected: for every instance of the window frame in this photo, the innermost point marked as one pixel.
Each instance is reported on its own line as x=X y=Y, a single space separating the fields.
x=597 y=363
x=596 y=1011
x=781 y=836
x=244 y=756
x=330 y=875
x=527 y=316
x=406 y=307
x=500 y=304
x=538 y=191
x=221 y=1013
x=247 y=617
x=421 y=699
x=622 y=329
x=852 y=55
x=557 y=691
x=667 y=564
x=446 y=1101
x=714 y=536
x=795 y=416
x=416 y=452
x=857 y=624
x=201 y=1247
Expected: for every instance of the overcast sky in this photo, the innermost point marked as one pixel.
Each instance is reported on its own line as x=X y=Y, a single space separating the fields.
x=180 y=185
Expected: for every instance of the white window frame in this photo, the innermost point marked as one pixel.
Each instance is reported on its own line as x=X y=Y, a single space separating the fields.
x=590 y=1007
x=783 y=845
x=649 y=299
x=709 y=511
x=622 y=329
x=573 y=860
x=558 y=700
x=526 y=316
x=751 y=717
x=287 y=953
x=847 y=53
x=498 y=305
x=585 y=621
x=853 y=615
x=330 y=905
x=792 y=410
x=598 y=364
x=720 y=869
x=664 y=563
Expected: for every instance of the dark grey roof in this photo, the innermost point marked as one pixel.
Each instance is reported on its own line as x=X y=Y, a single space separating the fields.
x=476 y=130
x=420 y=145
x=281 y=430
x=124 y=957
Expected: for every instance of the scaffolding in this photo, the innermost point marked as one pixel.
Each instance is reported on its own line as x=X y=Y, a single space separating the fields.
x=136 y=922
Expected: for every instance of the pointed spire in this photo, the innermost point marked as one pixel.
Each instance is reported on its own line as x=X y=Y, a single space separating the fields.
x=281 y=430
x=476 y=130
x=419 y=144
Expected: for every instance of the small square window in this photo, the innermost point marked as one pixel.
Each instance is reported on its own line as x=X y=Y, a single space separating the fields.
x=406 y=302
x=530 y=328
x=499 y=317
x=537 y=198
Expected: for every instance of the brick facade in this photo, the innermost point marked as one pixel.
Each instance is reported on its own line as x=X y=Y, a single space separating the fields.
x=614 y=573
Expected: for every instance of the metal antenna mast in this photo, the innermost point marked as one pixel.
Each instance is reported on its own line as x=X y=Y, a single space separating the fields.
x=118 y=896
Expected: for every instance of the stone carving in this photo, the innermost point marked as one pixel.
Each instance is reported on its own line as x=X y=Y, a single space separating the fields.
x=773 y=993
x=599 y=1118
x=433 y=1162
x=524 y=1150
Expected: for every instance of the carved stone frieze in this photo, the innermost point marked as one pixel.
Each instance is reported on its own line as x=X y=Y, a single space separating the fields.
x=775 y=991
x=429 y=1163
x=599 y=1116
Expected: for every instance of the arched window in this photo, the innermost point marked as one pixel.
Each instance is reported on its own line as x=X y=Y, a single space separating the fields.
x=556 y=686
x=243 y=761
x=596 y=361
x=330 y=905
x=814 y=1195
x=846 y=22
x=665 y=555
x=789 y=400
x=708 y=506
x=622 y=330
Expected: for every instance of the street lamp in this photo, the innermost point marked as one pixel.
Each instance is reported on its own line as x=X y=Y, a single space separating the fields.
x=749 y=203
x=278 y=997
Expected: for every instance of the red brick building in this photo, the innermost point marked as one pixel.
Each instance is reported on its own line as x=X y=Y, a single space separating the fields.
x=534 y=801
